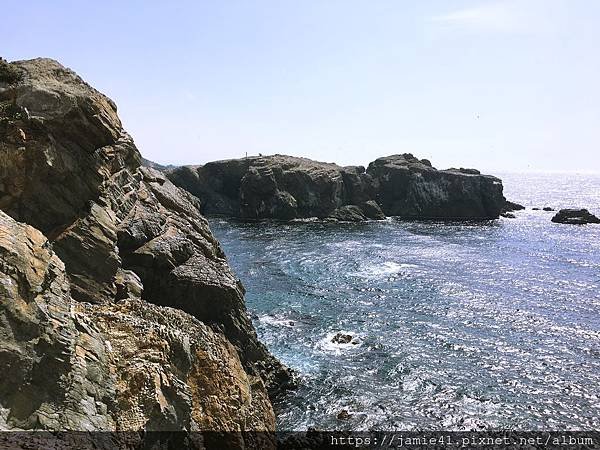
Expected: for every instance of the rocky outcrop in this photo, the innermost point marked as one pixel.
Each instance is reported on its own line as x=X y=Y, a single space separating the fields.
x=123 y=240
x=286 y=188
x=411 y=188
x=121 y=366
x=512 y=206
x=575 y=217
x=278 y=187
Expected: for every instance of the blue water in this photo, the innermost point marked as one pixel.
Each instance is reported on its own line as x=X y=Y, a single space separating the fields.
x=455 y=326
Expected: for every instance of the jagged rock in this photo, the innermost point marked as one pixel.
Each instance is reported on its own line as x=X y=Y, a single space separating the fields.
x=123 y=231
x=341 y=338
x=508 y=215
x=72 y=155
x=372 y=210
x=575 y=217
x=408 y=188
x=348 y=213
x=123 y=366
x=273 y=187
x=287 y=188
x=182 y=265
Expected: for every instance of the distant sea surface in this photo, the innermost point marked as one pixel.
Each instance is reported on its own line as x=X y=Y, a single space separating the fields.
x=456 y=326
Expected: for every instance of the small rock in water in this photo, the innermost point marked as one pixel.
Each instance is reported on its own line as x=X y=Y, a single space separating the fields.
x=547 y=208
x=508 y=215
x=575 y=217
x=342 y=338
x=344 y=415
x=536 y=209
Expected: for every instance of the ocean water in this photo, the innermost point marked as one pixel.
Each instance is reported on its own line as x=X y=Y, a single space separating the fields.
x=456 y=326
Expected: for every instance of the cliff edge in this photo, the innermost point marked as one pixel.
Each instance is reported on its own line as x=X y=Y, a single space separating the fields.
x=118 y=309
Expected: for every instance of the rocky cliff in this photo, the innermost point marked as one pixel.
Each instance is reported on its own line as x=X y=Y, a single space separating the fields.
x=118 y=310
x=285 y=187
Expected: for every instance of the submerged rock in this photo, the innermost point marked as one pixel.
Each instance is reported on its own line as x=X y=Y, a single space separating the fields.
x=348 y=213
x=287 y=188
x=123 y=238
x=342 y=338
x=575 y=217
x=343 y=415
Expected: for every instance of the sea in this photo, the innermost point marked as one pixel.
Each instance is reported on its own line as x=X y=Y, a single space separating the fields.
x=454 y=326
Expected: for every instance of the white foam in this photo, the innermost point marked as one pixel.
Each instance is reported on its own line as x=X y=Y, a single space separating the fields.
x=276 y=321
x=327 y=345
x=385 y=269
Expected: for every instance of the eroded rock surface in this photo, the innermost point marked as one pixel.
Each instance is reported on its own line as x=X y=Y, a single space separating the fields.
x=121 y=366
x=287 y=188
x=123 y=240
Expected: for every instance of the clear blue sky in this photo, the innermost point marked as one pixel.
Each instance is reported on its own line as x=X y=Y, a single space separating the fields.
x=502 y=85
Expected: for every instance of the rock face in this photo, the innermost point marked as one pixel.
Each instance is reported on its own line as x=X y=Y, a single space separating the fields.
x=90 y=283
x=411 y=188
x=575 y=217
x=285 y=188
x=278 y=187
x=124 y=366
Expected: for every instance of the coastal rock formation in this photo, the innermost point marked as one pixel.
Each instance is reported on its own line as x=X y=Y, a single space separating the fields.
x=286 y=188
x=575 y=217
x=276 y=187
x=126 y=365
x=113 y=240
x=411 y=188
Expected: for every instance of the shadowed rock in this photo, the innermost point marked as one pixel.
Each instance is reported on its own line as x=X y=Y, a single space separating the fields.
x=512 y=206
x=286 y=188
x=575 y=217
x=410 y=188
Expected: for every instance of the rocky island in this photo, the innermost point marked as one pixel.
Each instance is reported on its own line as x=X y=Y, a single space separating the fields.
x=118 y=309
x=285 y=188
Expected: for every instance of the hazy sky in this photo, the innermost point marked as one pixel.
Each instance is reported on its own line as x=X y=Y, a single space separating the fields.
x=500 y=85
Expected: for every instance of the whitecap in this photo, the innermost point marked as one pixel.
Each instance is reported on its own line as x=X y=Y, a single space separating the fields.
x=327 y=345
x=374 y=271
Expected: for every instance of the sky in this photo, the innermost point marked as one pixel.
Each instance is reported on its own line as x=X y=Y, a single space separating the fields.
x=500 y=85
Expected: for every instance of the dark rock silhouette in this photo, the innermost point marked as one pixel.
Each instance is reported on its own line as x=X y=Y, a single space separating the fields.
x=286 y=188
x=410 y=188
x=575 y=217
x=341 y=338
x=512 y=206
